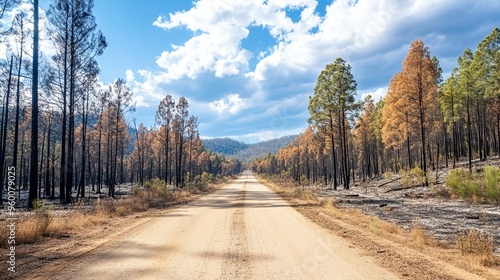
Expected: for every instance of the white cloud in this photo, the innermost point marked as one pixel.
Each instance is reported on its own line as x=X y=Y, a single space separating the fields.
x=216 y=51
x=129 y=75
x=230 y=104
x=266 y=135
x=376 y=95
x=219 y=28
x=140 y=101
x=372 y=36
x=344 y=30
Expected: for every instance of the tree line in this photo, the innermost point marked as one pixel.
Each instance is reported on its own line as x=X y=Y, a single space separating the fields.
x=65 y=134
x=173 y=150
x=423 y=121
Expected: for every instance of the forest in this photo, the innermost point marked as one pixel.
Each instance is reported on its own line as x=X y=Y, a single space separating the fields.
x=64 y=135
x=246 y=152
x=424 y=122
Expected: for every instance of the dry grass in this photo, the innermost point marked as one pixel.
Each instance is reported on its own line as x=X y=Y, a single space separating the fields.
x=75 y=220
x=422 y=240
x=124 y=207
x=290 y=190
x=373 y=224
x=34 y=226
x=328 y=202
x=31 y=228
x=479 y=247
x=305 y=194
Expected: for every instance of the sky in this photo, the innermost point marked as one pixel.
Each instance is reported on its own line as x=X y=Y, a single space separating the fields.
x=247 y=68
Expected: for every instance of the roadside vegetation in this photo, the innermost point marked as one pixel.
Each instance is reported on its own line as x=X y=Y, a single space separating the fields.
x=472 y=249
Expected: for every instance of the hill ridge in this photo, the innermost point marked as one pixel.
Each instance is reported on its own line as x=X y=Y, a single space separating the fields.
x=242 y=151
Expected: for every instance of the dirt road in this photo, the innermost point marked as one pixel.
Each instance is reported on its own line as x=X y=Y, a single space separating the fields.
x=242 y=231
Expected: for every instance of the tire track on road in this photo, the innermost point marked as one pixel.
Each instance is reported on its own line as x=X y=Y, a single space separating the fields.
x=237 y=262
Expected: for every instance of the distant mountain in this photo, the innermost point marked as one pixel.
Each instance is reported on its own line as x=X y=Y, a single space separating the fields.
x=244 y=152
x=225 y=146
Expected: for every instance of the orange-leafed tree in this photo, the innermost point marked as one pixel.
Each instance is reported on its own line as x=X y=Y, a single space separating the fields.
x=412 y=95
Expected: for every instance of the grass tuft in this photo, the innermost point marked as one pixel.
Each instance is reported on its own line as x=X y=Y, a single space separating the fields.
x=477 y=245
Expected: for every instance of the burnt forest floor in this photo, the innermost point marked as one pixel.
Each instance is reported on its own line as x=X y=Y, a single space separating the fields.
x=439 y=214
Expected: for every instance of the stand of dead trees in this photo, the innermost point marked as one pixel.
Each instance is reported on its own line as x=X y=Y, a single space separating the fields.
x=67 y=136
x=173 y=151
x=423 y=122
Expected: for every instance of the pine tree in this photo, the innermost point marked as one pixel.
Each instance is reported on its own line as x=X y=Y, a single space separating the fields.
x=330 y=106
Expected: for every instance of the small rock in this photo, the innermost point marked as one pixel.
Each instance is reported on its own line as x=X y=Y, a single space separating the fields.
x=380 y=251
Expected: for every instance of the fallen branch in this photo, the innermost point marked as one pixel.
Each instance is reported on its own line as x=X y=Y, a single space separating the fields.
x=399 y=189
x=388 y=182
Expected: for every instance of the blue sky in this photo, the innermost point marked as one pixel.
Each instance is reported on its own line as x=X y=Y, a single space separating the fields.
x=248 y=67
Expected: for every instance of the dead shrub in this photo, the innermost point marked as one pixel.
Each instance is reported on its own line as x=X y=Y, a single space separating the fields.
x=105 y=207
x=306 y=194
x=442 y=191
x=374 y=225
x=31 y=228
x=57 y=227
x=4 y=233
x=122 y=210
x=328 y=202
x=477 y=244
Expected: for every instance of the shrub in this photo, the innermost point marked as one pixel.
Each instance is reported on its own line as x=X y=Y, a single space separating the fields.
x=388 y=175
x=154 y=188
x=413 y=176
x=123 y=210
x=463 y=183
x=418 y=175
x=476 y=243
x=441 y=191
x=491 y=181
x=405 y=178
x=105 y=207
x=136 y=189
x=466 y=185
x=201 y=181
x=302 y=193
x=304 y=181
x=328 y=202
